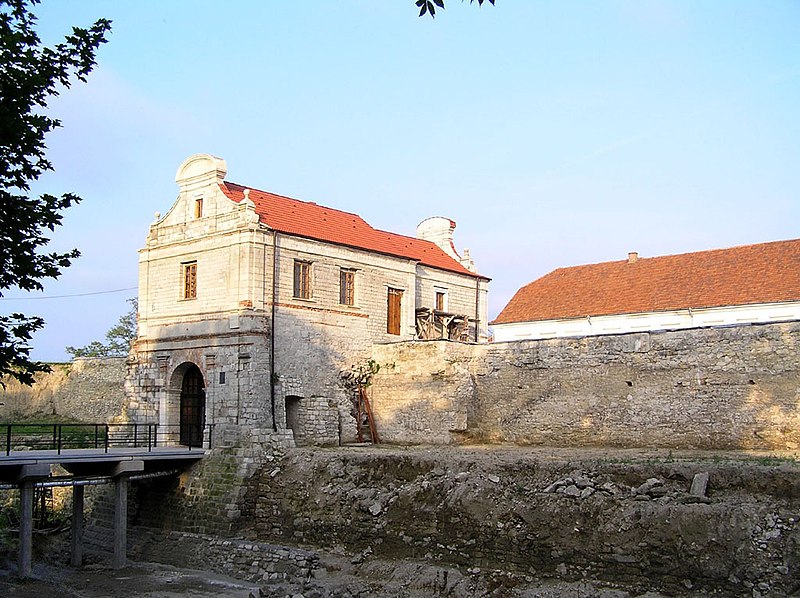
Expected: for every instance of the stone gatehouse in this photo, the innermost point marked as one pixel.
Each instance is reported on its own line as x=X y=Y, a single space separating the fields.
x=251 y=304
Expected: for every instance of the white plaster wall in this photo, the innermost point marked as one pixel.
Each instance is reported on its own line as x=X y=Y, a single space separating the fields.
x=667 y=320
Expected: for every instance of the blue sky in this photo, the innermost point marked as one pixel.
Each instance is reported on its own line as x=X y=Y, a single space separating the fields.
x=553 y=133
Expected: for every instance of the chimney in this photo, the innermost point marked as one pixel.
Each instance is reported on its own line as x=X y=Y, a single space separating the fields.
x=633 y=257
x=439 y=230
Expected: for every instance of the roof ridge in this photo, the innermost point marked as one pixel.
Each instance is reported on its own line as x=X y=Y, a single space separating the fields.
x=672 y=255
x=314 y=221
x=311 y=203
x=740 y=275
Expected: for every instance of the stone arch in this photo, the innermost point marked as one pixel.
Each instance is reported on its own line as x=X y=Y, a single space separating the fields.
x=186 y=408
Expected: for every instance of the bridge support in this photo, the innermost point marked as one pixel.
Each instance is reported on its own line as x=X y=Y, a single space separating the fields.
x=121 y=483
x=27 y=475
x=25 y=528
x=120 y=522
x=76 y=559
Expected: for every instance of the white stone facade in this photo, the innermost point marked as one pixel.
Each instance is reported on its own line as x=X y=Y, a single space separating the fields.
x=259 y=347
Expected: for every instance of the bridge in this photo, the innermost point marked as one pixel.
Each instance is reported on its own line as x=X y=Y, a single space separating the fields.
x=36 y=455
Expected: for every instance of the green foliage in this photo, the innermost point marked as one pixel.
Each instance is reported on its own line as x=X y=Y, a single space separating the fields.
x=118 y=338
x=429 y=6
x=360 y=374
x=30 y=75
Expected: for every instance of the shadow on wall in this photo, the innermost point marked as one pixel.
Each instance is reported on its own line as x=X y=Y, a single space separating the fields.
x=312 y=349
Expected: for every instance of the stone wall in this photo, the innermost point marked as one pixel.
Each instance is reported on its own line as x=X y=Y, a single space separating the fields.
x=244 y=559
x=713 y=388
x=89 y=390
x=208 y=498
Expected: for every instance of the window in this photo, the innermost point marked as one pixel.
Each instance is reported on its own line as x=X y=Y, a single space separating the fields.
x=440 y=303
x=190 y=280
x=198 y=208
x=302 y=279
x=347 y=287
x=394 y=301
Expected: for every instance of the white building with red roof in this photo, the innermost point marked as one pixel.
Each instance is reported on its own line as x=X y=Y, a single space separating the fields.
x=721 y=287
x=251 y=304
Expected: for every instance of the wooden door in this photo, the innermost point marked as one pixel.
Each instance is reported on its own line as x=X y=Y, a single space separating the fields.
x=193 y=407
x=393 y=311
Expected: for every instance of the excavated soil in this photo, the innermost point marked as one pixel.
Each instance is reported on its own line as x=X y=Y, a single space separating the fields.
x=498 y=521
x=508 y=519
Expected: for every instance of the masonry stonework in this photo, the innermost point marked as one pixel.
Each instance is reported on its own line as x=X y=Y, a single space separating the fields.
x=87 y=390
x=712 y=388
x=226 y=335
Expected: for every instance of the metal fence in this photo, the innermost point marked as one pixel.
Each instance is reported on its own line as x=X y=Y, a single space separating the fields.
x=58 y=437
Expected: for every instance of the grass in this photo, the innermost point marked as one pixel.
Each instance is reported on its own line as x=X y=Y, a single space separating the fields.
x=41 y=432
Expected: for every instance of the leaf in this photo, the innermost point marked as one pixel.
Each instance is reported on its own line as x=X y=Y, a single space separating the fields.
x=32 y=74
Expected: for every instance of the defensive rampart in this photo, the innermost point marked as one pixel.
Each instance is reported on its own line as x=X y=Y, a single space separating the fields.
x=90 y=390
x=713 y=388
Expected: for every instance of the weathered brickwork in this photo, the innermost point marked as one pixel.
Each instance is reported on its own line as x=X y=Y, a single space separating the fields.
x=714 y=388
x=207 y=499
x=89 y=390
x=269 y=356
x=244 y=559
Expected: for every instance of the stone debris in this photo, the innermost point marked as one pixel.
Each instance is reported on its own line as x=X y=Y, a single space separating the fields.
x=582 y=485
x=649 y=485
x=699 y=484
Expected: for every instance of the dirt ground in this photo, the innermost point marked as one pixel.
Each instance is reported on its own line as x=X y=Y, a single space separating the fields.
x=341 y=575
x=380 y=579
x=139 y=580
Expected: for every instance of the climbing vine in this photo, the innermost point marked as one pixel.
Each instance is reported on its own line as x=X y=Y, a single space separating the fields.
x=361 y=374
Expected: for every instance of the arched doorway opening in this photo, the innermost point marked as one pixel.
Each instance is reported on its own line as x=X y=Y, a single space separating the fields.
x=193 y=407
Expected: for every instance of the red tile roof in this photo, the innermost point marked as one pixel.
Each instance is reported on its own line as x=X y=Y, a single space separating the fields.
x=763 y=273
x=306 y=219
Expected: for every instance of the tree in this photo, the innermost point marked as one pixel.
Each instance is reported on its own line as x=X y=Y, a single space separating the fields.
x=30 y=74
x=118 y=338
x=429 y=6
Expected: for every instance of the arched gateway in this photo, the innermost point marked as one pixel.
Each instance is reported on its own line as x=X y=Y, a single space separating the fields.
x=193 y=407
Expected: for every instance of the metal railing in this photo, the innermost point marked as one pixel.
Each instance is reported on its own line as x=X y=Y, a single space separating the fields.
x=58 y=437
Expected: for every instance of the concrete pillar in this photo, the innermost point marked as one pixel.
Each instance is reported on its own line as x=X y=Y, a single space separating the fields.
x=27 y=475
x=77 y=526
x=120 y=521
x=25 y=528
x=121 y=481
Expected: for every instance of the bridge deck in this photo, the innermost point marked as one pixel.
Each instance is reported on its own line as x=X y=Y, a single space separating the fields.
x=116 y=454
